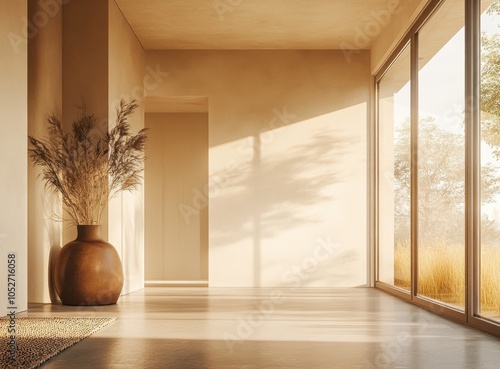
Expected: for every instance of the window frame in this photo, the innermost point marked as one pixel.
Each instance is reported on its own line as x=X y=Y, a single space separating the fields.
x=470 y=315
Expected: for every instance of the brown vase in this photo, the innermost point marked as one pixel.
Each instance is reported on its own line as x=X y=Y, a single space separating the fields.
x=88 y=270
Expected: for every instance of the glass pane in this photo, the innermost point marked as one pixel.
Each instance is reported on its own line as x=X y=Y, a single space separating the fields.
x=490 y=161
x=394 y=173
x=441 y=156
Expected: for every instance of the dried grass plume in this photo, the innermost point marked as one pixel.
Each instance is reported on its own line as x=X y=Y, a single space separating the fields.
x=88 y=168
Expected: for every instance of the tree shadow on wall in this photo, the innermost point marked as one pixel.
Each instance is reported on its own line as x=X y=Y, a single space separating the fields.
x=267 y=196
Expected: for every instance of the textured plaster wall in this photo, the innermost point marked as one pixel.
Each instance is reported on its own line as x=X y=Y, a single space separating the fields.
x=287 y=162
x=45 y=97
x=13 y=163
x=126 y=73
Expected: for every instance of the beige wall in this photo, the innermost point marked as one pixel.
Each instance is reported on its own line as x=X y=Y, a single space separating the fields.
x=126 y=73
x=287 y=162
x=85 y=58
x=177 y=165
x=13 y=149
x=44 y=97
x=84 y=53
x=84 y=68
x=102 y=63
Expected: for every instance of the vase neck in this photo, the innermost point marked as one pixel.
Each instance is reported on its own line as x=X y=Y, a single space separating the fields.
x=88 y=232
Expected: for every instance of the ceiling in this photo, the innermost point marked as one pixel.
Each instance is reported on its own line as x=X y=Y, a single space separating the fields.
x=252 y=24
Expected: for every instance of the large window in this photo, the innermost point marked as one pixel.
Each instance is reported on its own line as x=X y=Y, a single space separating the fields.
x=394 y=171
x=438 y=163
x=490 y=161
x=441 y=156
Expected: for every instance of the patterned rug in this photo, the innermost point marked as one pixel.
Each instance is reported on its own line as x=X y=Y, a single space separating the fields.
x=38 y=339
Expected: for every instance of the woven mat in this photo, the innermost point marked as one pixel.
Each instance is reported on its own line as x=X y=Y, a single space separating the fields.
x=39 y=339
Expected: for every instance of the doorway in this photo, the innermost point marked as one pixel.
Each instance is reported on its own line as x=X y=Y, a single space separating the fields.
x=176 y=206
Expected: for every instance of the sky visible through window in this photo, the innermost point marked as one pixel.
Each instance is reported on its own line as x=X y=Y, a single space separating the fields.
x=448 y=109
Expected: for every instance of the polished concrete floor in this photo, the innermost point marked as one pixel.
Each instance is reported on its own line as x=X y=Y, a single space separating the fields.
x=271 y=328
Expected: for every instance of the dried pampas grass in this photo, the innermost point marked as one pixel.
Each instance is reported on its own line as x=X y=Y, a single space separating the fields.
x=86 y=168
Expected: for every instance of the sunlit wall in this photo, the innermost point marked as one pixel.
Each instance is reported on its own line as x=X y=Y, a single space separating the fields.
x=287 y=162
x=126 y=81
